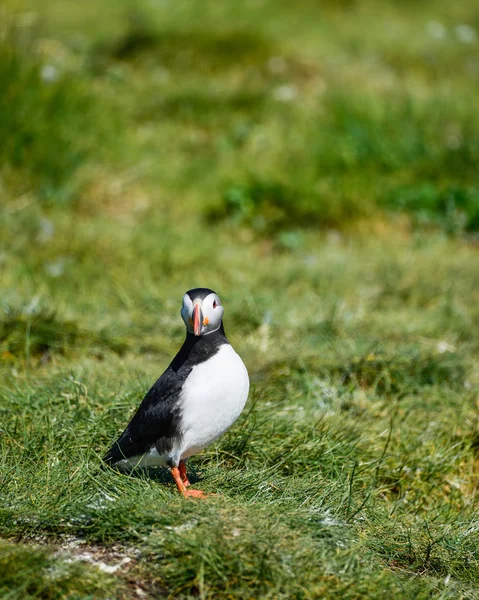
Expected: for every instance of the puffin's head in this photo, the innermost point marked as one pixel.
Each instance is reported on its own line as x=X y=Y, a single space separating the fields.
x=201 y=311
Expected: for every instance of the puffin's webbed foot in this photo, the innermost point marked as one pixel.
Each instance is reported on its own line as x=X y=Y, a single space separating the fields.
x=195 y=494
x=175 y=471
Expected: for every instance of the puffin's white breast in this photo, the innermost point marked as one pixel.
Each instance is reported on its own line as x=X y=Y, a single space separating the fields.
x=212 y=398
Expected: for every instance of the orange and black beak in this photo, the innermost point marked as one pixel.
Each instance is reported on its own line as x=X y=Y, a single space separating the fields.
x=197 y=319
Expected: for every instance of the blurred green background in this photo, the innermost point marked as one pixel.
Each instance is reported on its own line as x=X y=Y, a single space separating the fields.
x=316 y=164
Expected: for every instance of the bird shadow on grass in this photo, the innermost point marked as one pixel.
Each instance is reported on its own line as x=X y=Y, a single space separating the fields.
x=161 y=474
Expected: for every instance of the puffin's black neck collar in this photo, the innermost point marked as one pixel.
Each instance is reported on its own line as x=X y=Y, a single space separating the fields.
x=196 y=349
x=220 y=330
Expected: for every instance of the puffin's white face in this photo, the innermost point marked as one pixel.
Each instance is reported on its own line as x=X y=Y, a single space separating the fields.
x=202 y=311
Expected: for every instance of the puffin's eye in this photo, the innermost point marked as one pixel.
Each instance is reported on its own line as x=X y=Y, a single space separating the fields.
x=214 y=303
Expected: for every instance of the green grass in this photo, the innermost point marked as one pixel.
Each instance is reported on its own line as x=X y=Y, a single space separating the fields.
x=316 y=164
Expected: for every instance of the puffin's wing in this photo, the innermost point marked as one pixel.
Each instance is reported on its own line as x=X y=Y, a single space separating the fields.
x=155 y=422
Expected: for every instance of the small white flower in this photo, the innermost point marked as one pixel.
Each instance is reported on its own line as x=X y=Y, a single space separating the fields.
x=55 y=268
x=180 y=528
x=49 y=73
x=455 y=484
x=444 y=347
x=466 y=34
x=32 y=306
x=436 y=30
x=285 y=93
x=331 y=522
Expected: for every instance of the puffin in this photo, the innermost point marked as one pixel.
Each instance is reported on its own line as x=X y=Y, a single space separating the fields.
x=198 y=397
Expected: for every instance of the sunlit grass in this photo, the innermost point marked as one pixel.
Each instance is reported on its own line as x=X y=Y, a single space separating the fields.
x=324 y=182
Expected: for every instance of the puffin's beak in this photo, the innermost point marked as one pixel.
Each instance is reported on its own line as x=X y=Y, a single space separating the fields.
x=197 y=319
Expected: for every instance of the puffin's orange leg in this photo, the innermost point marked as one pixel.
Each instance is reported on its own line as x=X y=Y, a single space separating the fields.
x=184 y=476
x=182 y=488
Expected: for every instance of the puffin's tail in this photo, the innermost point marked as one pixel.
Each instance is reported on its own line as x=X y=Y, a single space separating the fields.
x=108 y=459
x=120 y=450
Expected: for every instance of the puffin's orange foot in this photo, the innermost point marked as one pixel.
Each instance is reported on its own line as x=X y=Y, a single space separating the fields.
x=183 y=475
x=194 y=494
x=181 y=484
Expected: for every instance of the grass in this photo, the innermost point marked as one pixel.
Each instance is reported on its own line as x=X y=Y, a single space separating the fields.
x=324 y=182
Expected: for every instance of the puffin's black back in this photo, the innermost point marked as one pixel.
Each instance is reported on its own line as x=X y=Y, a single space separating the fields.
x=157 y=419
